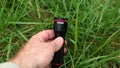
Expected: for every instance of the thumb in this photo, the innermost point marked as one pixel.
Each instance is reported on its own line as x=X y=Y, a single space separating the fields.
x=57 y=43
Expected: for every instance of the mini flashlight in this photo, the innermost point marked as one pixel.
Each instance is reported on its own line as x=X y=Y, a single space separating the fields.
x=60 y=29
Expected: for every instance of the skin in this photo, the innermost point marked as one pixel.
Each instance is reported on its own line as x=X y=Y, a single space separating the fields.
x=38 y=52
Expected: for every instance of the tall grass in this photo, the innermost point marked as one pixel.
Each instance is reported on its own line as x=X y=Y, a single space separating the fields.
x=93 y=29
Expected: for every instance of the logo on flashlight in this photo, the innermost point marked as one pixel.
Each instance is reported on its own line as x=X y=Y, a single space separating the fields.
x=60 y=22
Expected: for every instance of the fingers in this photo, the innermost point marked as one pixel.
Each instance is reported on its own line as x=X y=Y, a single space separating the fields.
x=66 y=42
x=65 y=45
x=57 y=43
x=45 y=35
x=65 y=51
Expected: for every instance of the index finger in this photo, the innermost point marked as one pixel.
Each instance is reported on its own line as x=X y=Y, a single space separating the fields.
x=45 y=35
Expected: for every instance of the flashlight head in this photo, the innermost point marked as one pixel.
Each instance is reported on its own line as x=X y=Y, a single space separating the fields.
x=60 y=27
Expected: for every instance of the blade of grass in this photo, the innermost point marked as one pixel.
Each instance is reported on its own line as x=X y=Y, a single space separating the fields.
x=30 y=23
x=64 y=5
x=76 y=28
x=72 y=59
x=38 y=8
x=9 y=47
x=22 y=35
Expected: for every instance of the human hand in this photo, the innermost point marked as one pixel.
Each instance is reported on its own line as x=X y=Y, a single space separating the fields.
x=39 y=51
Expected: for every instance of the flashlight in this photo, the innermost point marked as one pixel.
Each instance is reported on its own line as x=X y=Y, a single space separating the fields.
x=60 y=29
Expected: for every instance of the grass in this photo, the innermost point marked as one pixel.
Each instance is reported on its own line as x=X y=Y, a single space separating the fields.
x=93 y=29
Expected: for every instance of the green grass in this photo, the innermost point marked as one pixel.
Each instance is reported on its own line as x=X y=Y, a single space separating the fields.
x=93 y=29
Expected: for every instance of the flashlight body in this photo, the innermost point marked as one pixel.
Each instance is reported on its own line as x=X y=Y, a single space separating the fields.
x=60 y=29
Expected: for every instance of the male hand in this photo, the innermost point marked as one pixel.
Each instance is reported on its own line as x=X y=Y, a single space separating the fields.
x=39 y=51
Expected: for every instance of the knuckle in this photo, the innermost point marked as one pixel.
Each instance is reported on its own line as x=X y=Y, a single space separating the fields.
x=34 y=36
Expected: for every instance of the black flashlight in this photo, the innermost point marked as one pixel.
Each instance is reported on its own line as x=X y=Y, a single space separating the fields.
x=60 y=29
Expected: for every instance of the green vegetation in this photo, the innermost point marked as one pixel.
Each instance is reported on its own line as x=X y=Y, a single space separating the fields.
x=93 y=29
